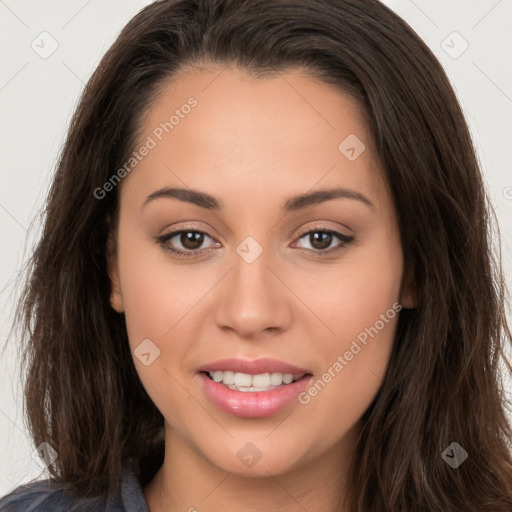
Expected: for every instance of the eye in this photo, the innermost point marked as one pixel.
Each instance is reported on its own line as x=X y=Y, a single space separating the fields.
x=321 y=240
x=189 y=242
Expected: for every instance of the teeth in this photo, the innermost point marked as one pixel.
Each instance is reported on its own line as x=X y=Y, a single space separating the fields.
x=261 y=381
x=246 y=382
x=276 y=379
x=243 y=379
x=217 y=376
x=287 y=378
x=228 y=377
x=246 y=389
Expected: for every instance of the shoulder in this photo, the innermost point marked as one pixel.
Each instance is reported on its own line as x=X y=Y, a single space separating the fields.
x=50 y=496
x=40 y=496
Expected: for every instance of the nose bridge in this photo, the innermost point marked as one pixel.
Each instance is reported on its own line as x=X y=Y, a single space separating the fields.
x=253 y=299
x=251 y=275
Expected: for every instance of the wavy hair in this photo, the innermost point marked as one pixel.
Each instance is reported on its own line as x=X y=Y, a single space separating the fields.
x=82 y=393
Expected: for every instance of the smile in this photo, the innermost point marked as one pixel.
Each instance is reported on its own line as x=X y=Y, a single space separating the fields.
x=253 y=389
x=246 y=382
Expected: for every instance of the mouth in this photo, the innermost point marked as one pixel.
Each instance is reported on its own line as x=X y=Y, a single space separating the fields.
x=253 y=389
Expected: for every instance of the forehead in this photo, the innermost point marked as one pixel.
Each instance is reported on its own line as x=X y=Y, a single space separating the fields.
x=256 y=133
x=230 y=102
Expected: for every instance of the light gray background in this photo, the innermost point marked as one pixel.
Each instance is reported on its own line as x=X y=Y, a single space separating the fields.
x=38 y=96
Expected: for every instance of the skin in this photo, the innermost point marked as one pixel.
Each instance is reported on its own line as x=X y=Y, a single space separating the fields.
x=252 y=144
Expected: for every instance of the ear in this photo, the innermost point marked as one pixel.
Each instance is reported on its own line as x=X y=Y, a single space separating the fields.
x=408 y=291
x=116 y=299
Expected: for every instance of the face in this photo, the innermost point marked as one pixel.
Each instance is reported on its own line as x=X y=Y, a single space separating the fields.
x=230 y=286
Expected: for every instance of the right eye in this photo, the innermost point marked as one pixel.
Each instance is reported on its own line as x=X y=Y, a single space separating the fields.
x=189 y=240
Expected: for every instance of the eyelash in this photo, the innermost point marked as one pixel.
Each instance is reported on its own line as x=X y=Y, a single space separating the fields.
x=164 y=239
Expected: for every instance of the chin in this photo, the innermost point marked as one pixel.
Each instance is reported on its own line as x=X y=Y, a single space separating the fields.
x=258 y=459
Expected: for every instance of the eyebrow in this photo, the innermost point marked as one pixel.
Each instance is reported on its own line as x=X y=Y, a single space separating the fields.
x=292 y=204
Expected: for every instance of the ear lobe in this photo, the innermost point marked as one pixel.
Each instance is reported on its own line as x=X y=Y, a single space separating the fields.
x=116 y=299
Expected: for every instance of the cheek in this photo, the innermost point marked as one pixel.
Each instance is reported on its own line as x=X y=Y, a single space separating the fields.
x=352 y=294
x=359 y=303
x=339 y=395
x=157 y=295
x=159 y=300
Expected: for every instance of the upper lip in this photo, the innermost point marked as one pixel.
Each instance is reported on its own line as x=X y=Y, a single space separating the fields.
x=253 y=367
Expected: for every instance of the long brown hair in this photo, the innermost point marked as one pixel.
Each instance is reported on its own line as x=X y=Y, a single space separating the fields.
x=82 y=393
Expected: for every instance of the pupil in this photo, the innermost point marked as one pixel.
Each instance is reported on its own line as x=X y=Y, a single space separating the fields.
x=324 y=242
x=191 y=240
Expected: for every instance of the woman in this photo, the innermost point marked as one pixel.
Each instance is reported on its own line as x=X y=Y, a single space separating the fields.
x=265 y=278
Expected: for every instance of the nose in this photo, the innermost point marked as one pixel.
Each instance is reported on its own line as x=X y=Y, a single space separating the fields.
x=252 y=299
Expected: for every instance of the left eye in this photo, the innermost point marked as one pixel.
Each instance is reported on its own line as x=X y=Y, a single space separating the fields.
x=321 y=240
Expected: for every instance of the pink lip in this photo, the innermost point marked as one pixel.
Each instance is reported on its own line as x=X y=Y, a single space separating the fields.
x=254 y=367
x=258 y=404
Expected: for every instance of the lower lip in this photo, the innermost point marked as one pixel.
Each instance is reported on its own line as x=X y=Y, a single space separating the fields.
x=253 y=404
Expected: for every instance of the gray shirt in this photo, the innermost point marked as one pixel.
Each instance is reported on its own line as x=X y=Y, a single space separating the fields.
x=47 y=496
